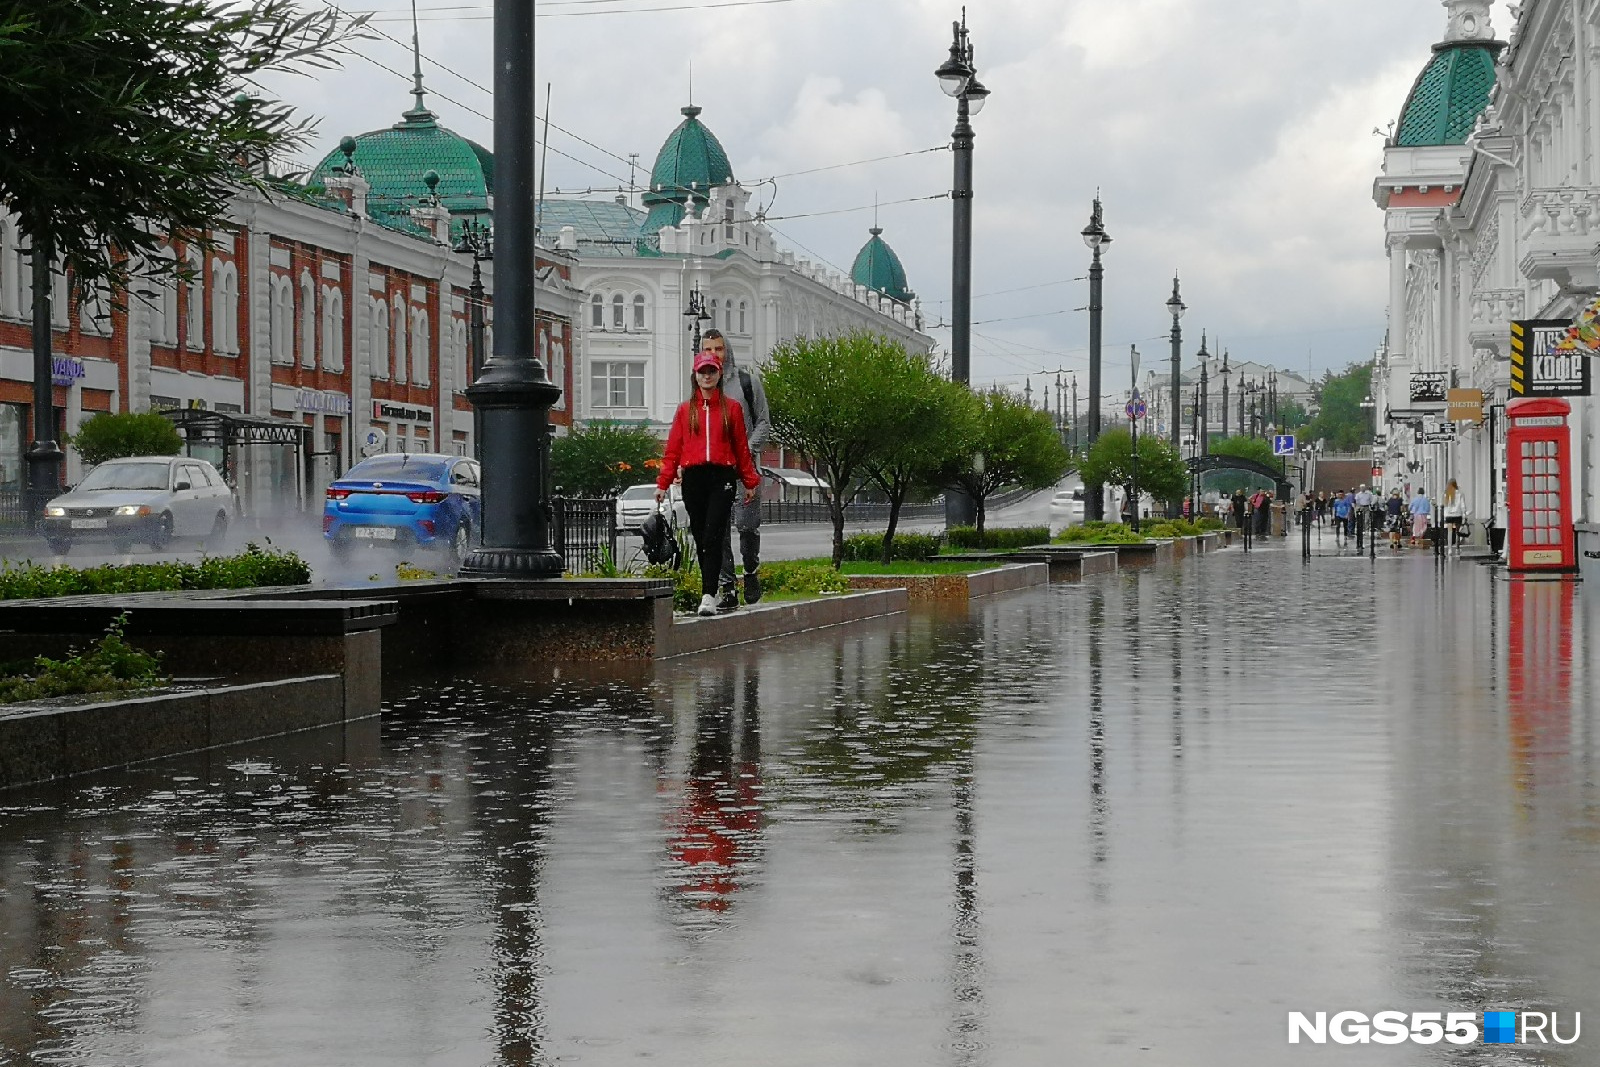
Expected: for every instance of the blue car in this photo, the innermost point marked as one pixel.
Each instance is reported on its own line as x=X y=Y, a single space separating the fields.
x=403 y=500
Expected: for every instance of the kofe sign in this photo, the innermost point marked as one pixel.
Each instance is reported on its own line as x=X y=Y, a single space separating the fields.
x=1538 y=368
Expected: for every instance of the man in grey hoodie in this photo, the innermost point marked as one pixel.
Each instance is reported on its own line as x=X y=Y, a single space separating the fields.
x=744 y=385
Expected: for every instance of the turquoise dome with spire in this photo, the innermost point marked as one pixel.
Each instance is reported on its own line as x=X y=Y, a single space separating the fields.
x=1456 y=85
x=879 y=269
x=690 y=164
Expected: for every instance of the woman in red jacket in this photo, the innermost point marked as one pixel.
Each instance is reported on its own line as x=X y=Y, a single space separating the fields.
x=708 y=444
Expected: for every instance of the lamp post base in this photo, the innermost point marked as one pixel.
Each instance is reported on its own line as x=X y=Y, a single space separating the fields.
x=512 y=563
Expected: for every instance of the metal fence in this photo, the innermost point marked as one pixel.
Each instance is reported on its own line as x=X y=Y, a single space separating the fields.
x=585 y=533
x=15 y=516
x=866 y=513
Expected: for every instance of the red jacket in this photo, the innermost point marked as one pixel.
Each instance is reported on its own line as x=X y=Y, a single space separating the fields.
x=710 y=444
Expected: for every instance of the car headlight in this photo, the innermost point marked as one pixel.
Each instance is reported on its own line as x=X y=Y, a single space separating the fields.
x=55 y=512
x=134 y=509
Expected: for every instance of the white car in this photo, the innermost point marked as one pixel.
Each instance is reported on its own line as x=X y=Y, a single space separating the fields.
x=141 y=498
x=636 y=502
x=1067 y=507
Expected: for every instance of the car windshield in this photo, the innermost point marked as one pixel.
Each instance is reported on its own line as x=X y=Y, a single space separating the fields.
x=398 y=465
x=639 y=492
x=126 y=476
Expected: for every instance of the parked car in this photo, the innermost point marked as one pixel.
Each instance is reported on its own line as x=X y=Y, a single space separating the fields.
x=1067 y=507
x=141 y=499
x=403 y=500
x=636 y=502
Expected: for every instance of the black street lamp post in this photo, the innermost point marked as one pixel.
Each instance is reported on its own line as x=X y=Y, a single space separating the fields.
x=958 y=77
x=1095 y=236
x=1074 y=412
x=1133 y=431
x=1175 y=306
x=514 y=394
x=1223 y=371
x=478 y=242
x=44 y=457
x=695 y=311
x=1203 y=408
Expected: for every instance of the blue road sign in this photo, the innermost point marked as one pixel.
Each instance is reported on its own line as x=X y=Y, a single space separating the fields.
x=1136 y=407
x=1283 y=444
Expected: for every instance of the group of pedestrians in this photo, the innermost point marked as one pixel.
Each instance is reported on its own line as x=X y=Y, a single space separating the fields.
x=1354 y=512
x=1253 y=512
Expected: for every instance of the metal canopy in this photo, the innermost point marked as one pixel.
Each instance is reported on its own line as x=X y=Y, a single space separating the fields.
x=231 y=428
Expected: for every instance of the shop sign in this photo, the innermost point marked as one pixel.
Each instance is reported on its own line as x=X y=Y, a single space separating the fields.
x=382 y=409
x=66 y=370
x=317 y=400
x=1428 y=387
x=1464 y=405
x=1540 y=366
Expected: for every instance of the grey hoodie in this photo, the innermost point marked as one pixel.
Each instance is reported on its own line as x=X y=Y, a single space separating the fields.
x=757 y=419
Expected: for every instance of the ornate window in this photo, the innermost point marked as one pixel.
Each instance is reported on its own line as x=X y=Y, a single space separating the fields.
x=461 y=341
x=280 y=323
x=380 y=338
x=308 y=320
x=194 y=328
x=742 y=308
x=617 y=322
x=332 y=329
x=225 y=308
x=421 y=346
x=617 y=385
x=638 y=311
x=397 y=335
x=598 y=319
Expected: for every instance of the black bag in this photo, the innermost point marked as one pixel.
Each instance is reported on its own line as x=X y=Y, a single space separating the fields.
x=660 y=540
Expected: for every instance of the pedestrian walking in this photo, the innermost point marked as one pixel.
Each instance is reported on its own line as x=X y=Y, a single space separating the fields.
x=1363 y=514
x=1342 y=507
x=1394 y=515
x=1263 y=514
x=708 y=444
x=1322 y=508
x=1456 y=514
x=744 y=386
x=1421 y=512
x=1240 y=504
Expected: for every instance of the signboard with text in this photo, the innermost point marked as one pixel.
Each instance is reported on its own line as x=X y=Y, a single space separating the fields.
x=1539 y=367
x=1429 y=387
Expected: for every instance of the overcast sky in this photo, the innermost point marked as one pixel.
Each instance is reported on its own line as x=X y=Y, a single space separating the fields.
x=1231 y=140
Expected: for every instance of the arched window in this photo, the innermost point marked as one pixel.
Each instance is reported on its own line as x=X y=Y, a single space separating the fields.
x=617 y=322
x=742 y=318
x=462 y=343
x=332 y=329
x=308 y=320
x=24 y=272
x=727 y=317
x=8 y=262
x=715 y=305
x=380 y=339
x=225 y=308
x=281 y=322
x=421 y=346
x=598 y=321
x=164 y=301
x=397 y=335
x=638 y=311
x=194 y=327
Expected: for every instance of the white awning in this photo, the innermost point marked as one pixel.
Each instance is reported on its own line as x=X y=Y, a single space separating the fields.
x=797 y=478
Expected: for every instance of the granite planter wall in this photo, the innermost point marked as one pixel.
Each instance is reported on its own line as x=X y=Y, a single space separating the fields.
x=923 y=588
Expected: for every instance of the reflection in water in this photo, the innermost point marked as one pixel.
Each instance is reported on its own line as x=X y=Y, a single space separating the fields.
x=1539 y=675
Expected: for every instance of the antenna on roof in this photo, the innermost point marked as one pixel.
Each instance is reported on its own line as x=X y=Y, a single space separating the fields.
x=691 y=78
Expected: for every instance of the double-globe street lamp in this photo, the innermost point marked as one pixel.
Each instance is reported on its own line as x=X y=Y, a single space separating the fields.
x=477 y=241
x=958 y=77
x=1098 y=240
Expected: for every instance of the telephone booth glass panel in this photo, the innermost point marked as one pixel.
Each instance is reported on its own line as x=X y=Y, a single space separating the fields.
x=1538 y=487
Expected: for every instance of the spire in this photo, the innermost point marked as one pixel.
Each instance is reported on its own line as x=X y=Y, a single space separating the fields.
x=419 y=112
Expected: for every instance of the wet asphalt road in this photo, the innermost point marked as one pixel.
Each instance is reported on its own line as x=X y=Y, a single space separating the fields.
x=1134 y=821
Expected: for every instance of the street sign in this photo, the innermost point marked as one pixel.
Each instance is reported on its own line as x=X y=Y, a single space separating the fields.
x=1136 y=407
x=1283 y=444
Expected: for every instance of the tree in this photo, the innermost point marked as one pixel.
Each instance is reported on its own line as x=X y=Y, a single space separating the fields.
x=832 y=400
x=122 y=124
x=603 y=458
x=109 y=436
x=932 y=416
x=1162 y=472
x=1010 y=443
x=1341 y=423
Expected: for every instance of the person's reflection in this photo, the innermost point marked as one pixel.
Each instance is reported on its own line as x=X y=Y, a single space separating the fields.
x=718 y=827
x=1539 y=674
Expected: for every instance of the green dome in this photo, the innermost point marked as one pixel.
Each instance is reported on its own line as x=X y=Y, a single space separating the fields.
x=1449 y=95
x=879 y=269
x=690 y=164
x=394 y=161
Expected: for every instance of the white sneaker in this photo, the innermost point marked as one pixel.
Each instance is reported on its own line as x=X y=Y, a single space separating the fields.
x=708 y=605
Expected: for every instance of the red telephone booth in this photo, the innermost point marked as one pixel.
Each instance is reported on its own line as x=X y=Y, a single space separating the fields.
x=1538 y=485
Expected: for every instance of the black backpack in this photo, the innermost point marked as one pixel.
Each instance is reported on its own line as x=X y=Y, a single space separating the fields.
x=660 y=541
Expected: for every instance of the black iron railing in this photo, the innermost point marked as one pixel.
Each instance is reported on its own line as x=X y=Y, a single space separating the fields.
x=16 y=518
x=861 y=513
x=585 y=533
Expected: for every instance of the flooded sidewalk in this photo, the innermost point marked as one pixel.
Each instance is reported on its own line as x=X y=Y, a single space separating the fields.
x=1133 y=821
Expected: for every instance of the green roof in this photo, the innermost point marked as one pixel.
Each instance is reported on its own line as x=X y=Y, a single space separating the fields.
x=1449 y=95
x=879 y=269
x=394 y=160
x=690 y=164
x=604 y=227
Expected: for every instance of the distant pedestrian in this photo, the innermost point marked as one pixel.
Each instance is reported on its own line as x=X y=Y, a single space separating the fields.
x=1455 y=514
x=708 y=443
x=1322 y=508
x=1263 y=514
x=1188 y=507
x=1394 y=514
x=1240 y=505
x=1342 y=508
x=1421 y=513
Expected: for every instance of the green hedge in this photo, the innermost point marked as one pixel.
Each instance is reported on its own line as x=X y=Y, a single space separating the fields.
x=253 y=567
x=1099 y=533
x=997 y=537
x=868 y=547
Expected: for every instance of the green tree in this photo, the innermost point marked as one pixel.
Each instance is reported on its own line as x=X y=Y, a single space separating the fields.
x=1009 y=444
x=603 y=458
x=1244 y=447
x=123 y=122
x=1162 y=472
x=832 y=400
x=932 y=416
x=108 y=436
x=1341 y=423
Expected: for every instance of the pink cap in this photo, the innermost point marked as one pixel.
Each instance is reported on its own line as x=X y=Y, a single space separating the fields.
x=706 y=359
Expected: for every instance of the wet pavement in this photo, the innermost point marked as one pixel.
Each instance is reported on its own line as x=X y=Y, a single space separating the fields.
x=1134 y=821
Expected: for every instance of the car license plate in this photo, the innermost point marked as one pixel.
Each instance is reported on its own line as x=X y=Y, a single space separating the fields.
x=376 y=533
x=89 y=524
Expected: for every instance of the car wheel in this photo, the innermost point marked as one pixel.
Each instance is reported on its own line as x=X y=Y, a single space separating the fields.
x=163 y=534
x=219 y=529
x=461 y=543
x=60 y=546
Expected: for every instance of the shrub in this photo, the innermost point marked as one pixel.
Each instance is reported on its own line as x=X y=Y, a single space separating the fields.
x=868 y=547
x=801 y=578
x=997 y=537
x=1099 y=533
x=111 y=665
x=127 y=433
x=249 y=569
x=685 y=584
x=1207 y=524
